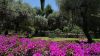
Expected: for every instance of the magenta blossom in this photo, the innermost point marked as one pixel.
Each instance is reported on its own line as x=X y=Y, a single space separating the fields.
x=37 y=54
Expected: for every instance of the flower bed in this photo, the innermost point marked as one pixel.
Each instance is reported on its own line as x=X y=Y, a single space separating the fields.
x=14 y=46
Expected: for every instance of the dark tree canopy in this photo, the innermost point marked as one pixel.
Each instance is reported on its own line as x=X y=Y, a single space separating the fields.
x=82 y=11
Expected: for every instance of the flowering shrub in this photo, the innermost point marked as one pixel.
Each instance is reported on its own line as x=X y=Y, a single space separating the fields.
x=14 y=46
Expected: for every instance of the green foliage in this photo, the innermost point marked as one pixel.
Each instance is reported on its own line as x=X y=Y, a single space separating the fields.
x=65 y=29
x=32 y=30
x=48 y=10
x=75 y=8
x=82 y=13
x=40 y=23
x=77 y=30
x=52 y=35
x=17 y=16
x=58 y=31
x=56 y=20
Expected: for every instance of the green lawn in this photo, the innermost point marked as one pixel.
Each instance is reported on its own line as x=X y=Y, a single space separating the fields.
x=62 y=39
x=56 y=39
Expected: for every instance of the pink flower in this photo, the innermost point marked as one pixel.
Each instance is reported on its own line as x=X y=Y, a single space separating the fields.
x=10 y=54
x=30 y=46
x=37 y=54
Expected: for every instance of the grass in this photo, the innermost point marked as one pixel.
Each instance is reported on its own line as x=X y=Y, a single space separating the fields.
x=97 y=40
x=56 y=39
x=63 y=39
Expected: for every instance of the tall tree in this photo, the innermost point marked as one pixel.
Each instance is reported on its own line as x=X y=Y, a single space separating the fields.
x=80 y=9
x=42 y=4
x=45 y=11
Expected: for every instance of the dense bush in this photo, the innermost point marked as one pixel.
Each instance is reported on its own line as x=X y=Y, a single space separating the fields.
x=58 y=32
x=52 y=35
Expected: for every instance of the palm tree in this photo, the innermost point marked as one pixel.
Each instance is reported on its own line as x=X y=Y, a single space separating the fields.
x=45 y=11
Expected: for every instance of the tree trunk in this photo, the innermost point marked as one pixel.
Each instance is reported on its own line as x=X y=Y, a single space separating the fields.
x=42 y=4
x=85 y=23
x=16 y=27
x=86 y=32
x=95 y=34
x=6 y=32
x=36 y=33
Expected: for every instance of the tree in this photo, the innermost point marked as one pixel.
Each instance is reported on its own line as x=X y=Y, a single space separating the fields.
x=40 y=24
x=48 y=10
x=40 y=20
x=24 y=20
x=15 y=15
x=5 y=13
x=80 y=9
x=56 y=20
x=42 y=4
x=77 y=30
x=45 y=11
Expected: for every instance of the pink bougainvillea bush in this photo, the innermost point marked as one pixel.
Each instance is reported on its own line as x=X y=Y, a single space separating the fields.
x=14 y=46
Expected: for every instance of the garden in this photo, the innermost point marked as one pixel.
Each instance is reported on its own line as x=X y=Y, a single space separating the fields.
x=49 y=27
